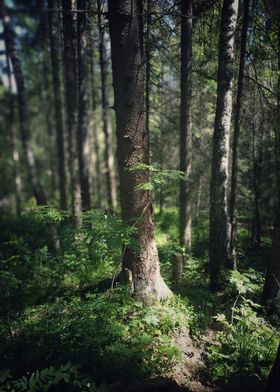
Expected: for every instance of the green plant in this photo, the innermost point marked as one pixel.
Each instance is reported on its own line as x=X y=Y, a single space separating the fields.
x=246 y=344
x=157 y=175
x=47 y=379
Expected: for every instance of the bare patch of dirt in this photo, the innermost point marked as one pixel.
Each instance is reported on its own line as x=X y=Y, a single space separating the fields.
x=190 y=372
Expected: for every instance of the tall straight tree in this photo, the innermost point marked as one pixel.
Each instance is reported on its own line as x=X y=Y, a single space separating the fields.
x=126 y=31
x=94 y=125
x=14 y=144
x=10 y=40
x=218 y=236
x=234 y=167
x=54 y=38
x=83 y=145
x=271 y=289
x=109 y=156
x=148 y=64
x=186 y=126
x=71 y=90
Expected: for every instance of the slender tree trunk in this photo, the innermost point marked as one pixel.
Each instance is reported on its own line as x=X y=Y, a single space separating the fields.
x=272 y=280
x=55 y=41
x=218 y=237
x=71 y=89
x=9 y=35
x=49 y=129
x=109 y=156
x=198 y=200
x=234 y=170
x=186 y=126
x=126 y=31
x=94 y=131
x=11 y=125
x=257 y=165
x=83 y=102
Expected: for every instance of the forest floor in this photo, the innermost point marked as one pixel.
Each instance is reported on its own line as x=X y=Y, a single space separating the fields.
x=61 y=331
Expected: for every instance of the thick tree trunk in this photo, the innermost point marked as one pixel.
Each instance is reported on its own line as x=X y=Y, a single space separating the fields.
x=71 y=90
x=54 y=36
x=9 y=35
x=83 y=144
x=234 y=168
x=186 y=127
x=218 y=237
x=126 y=31
x=148 y=69
x=273 y=382
x=107 y=127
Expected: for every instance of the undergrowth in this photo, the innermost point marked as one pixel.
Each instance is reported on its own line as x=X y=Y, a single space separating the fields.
x=58 y=332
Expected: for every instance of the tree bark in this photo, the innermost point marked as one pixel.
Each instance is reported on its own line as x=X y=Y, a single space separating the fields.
x=49 y=127
x=107 y=127
x=186 y=126
x=218 y=236
x=148 y=68
x=9 y=35
x=256 y=183
x=126 y=31
x=71 y=90
x=234 y=168
x=273 y=382
x=54 y=36
x=271 y=289
x=14 y=144
x=83 y=144
x=97 y=189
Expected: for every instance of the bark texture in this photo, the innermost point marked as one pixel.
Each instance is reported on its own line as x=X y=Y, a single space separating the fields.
x=71 y=90
x=126 y=31
x=83 y=144
x=234 y=167
x=9 y=35
x=148 y=67
x=54 y=37
x=271 y=289
x=186 y=126
x=273 y=382
x=107 y=127
x=257 y=144
x=97 y=189
x=218 y=236
x=14 y=144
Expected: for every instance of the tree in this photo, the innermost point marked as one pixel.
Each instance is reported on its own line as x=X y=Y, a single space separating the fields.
x=54 y=38
x=97 y=187
x=10 y=39
x=109 y=156
x=273 y=382
x=234 y=167
x=83 y=147
x=126 y=32
x=71 y=90
x=218 y=235
x=186 y=130
x=272 y=281
x=14 y=144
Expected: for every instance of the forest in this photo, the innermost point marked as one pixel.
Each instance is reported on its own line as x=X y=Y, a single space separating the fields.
x=140 y=195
